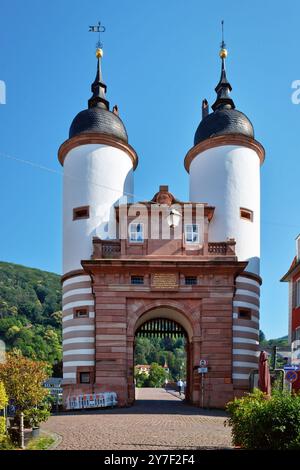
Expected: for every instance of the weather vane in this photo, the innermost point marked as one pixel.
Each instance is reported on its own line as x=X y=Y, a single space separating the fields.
x=223 y=45
x=99 y=28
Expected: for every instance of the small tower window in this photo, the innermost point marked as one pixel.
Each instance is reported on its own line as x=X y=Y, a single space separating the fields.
x=192 y=233
x=81 y=213
x=245 y=313
x=246 y=214
x=190 y=280
x=136 y=232
x=137 y=279
x=81 y=312
x=85 y=377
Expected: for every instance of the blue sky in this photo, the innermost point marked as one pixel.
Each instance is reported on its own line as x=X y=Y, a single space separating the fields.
x=161 y=60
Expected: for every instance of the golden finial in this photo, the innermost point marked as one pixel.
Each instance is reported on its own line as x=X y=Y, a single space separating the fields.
x=223 y=52
x=98 y=29
x=99 y=52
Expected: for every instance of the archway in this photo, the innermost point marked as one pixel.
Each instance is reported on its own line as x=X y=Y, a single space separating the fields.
x=167 y=322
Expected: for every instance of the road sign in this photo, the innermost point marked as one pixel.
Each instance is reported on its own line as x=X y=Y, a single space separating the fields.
x=291 y=376
x=202 y=370
x=291 y=367
x=203 y=363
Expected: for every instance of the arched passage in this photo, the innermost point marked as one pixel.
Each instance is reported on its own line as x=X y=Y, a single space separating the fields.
x=163 y=321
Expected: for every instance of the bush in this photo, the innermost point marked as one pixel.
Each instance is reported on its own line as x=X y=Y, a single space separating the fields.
x=3 y=403
x=157 y=375
x=141 y=379
x=260 y=423
x=34 y=416
x=23 y=379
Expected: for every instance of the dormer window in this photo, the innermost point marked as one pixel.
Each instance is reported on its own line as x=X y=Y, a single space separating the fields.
x=191 y=233
x=136 y=232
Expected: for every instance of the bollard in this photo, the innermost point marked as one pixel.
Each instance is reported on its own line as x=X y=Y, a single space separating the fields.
x=22 y=444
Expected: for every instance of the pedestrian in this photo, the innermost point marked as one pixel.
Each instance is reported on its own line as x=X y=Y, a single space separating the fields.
x=180 y=386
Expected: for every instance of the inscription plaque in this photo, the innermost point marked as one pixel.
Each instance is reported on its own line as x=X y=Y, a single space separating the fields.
x=164 y=281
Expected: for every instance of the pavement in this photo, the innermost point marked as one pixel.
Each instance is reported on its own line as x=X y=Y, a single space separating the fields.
x=158 y=420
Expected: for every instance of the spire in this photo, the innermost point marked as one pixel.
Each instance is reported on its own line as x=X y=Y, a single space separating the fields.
x=98 y=86
x=223 y=88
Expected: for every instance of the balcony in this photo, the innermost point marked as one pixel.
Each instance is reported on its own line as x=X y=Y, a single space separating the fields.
x=222 y=248
x=106 y=248
x=112 y=249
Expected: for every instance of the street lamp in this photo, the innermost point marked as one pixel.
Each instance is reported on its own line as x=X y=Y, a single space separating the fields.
x=173 y=218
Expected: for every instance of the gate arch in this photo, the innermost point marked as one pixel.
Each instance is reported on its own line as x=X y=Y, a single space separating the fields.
x=187 y=319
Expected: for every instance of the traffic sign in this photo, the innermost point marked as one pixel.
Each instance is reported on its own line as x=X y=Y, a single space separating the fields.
x=202 y=370
x=203 y=363
x=291 y=367
x=291 y=376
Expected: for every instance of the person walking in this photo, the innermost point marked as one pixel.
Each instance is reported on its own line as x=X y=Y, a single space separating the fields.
x=180 y=386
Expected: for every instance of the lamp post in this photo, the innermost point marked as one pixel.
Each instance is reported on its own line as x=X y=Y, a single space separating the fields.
x=173 y=218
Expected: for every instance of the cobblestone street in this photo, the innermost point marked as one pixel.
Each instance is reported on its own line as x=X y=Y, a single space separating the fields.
x=158 y=420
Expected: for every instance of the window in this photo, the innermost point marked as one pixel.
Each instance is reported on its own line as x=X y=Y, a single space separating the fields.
x=136 y=232
x=246 y=214
x=190 y=280
x=85 y=377
x=81 y=312
x=137 y=279
x=297 y=287
x=245 y=313
x=192 y=233
x=81 y=213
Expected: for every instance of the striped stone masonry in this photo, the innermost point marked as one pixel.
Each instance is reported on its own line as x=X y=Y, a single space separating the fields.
x=245 y=338
x=78 y=333
x=102 y=343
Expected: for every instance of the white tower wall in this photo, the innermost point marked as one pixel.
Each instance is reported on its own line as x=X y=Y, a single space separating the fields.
x=228 y=177
x=97 y=176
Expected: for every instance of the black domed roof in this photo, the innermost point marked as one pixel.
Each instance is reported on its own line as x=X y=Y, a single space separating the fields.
x=223 y=121
x=98 y=119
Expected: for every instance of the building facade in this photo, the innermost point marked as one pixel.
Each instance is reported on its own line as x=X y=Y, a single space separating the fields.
x=293 y=279
x=121 y=271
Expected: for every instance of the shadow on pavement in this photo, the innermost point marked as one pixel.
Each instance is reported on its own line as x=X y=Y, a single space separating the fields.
x=165 y=403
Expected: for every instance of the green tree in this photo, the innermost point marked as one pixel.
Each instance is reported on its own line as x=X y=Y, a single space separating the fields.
x=142 y=350
x=30 y=312
x=262 y=337
x=23 y=380
x=141 y=379
x=157 y=375
x=162 y=350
